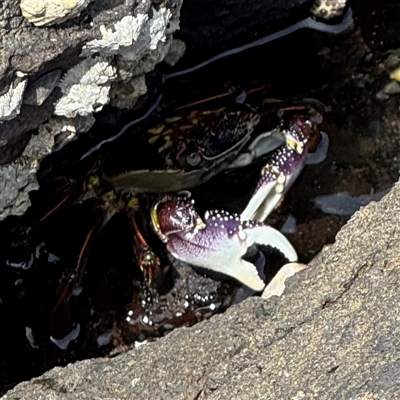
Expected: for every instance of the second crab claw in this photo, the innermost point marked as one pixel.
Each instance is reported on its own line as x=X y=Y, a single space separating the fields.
x=216 y=243
x=283 y=166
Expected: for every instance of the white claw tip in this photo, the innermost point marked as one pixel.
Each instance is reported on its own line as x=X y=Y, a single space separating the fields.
x=277 y=284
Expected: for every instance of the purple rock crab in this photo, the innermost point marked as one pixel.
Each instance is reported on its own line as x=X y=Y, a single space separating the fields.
x=219 y=240
x=192 y=148
x=187 y=149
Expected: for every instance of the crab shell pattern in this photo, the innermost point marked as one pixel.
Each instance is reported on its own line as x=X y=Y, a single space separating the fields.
x=193 y=147
x=217 y=243
x=202 y=136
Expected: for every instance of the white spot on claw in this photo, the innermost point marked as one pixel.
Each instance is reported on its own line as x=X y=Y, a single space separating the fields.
x=242 y=234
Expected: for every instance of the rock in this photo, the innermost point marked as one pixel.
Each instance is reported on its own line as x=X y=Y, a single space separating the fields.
x=208 y=28
x=335 y=318
x=10 y=102
x=277 y=285
x=391 y=88
x=49 y=12
x=38 y=91
x=381 y=95
x=175 y=52
x=100 y=50
x=125 y=94
x=19 y=176
x=85 y=87
x=328 y=9
x=396 y=74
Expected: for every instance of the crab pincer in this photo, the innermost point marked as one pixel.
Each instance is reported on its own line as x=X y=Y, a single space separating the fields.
x=283 y=167
x=216 y=243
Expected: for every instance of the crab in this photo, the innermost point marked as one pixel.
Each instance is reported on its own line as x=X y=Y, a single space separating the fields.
x=193 y=147
x=189 y=149
x=219 y=241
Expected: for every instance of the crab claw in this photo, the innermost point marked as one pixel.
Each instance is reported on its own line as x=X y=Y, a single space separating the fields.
x=219 y=242
x=277 y=176
x=282 y=169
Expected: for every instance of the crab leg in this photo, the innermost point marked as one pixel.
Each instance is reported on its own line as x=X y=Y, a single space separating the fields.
x=284 y=165
x=277 y=176
x=262 y=144
x=149 y=262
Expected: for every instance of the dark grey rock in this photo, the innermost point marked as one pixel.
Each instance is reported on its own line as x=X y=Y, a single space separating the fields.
x=334 y=334
x=38 y=91
x=392 y=87
x=40 y=54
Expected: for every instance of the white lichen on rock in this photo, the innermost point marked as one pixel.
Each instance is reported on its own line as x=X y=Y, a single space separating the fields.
x=10 y=102
x=158 y=25
x=50 y=12
x=127 y=41
x=18 y=178
x=125 y=50
x=85 y=87
x=123 y=33
x=138 y=34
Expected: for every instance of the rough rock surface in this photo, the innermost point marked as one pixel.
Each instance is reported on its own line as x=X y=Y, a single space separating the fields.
x=51 y=12
x=334 y=334
x=91 y=52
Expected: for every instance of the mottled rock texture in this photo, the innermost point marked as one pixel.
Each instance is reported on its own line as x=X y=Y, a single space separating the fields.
x=91 y=52
x=49 y=12
x=333 y=335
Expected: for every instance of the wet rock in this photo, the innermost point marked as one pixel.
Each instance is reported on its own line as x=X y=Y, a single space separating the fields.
x=38 y=91
x=392 y=88
x=381 y=96
x=208 y=27
x=335 y=317
x=49 y=12
x=19 y=176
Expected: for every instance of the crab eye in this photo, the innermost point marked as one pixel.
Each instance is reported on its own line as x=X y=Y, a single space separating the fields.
x=193 y=159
